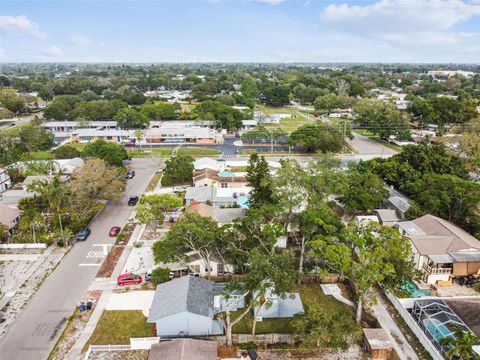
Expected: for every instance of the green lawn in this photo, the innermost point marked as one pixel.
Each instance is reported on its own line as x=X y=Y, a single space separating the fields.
x=197 y=151
x=366 y=133
x=147 y=152
x=167 y=151
x=153 y=182
x=390 y=145
x=309 y=293
x=288 y=125
x=116 y=327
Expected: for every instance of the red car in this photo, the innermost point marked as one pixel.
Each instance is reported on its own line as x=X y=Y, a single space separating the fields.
x=114 y=231
x=129 y=279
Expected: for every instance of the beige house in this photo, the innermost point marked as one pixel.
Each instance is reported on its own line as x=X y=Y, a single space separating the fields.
x=222 y=179
x=441 y=250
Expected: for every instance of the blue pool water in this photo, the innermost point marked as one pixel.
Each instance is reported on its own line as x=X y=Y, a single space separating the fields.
x=439 y=331
x=242 y=201
x=226 y=173
x=414 y=291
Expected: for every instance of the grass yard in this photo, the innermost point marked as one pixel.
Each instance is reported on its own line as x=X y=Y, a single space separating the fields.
x=193 y=151
x=288 y=125
x=390 y=145
x=309 y=293
x=154 y=181
x=147 y=152
x=366 y=133
x=116 y=327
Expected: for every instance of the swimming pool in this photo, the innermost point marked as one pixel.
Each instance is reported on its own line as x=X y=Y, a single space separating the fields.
x=412 y=289
x=226 y=173
x=435 y=329
x=242 y=201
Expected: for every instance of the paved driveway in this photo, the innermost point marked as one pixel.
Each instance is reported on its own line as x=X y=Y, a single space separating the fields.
x=35 y=331
x=368 y=149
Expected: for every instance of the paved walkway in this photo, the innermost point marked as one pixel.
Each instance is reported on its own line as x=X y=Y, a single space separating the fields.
x=400 y=343
x=336 y=292
x=19 y=257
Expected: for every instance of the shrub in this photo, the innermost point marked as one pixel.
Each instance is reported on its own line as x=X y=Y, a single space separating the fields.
x=160 y=275
x=166 y=180
x=476 y=287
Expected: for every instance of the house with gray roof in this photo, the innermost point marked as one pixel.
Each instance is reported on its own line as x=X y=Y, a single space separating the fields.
x=184 y=349
x=185 y=307
x=399 y=204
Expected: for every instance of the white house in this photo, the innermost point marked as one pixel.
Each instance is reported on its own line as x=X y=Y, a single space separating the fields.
x=5 y=181
x=195 y=264
x=185 y=307
x=275 y=306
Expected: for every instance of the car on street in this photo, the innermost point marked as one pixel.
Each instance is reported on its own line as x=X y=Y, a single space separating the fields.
x=83 y=234
x=114 y=231
x=131 y=174
x=129 y=279
x=133 y=200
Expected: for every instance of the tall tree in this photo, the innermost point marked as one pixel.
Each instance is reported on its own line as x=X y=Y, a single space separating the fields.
x=152 y=208
x=112 y=153
x=460 y=345
x=129 y=118
x=260 y=179
x=366 y=256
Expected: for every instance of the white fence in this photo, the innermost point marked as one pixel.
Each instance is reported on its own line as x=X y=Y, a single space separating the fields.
x=23 y=246
x=422 y=337
x=143 y=343
x=135 y=344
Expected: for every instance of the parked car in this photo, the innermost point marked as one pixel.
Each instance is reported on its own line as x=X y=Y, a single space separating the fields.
x=148 y=275
x=194 y=274
x=129 y=279
x=114 y=231
x=131 y=174
x=83 y=234
x=133 y=200
x=469 y=280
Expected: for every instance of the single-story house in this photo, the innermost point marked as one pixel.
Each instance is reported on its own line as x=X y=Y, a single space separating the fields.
x=13 y=197
x=184 y=349
x=275 y=306
x=399 y=204
x=32 y=179
x=207 y=163
x=217 y=267
x=217 y=196
x=249 y=124
x=441 y=249
x=66 y=166
x=365 y=220
x=223 y=179
x=387 y=217
x=185 y=307
x=9 y=217
x=221 y=215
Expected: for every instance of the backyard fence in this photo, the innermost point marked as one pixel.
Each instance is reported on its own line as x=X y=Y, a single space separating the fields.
x=419 y=333
x=264 y=339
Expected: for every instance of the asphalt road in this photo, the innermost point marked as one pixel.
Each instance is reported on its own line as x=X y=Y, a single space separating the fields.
x=36 y=330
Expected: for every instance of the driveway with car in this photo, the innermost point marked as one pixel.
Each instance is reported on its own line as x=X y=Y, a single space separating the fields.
x=37 y=328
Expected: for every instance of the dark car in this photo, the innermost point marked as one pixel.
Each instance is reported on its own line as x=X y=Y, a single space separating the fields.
x=131 y=174
x=83 y=234
x=133 y=200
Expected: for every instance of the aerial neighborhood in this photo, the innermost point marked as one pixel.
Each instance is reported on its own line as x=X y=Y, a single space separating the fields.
x=208 y=210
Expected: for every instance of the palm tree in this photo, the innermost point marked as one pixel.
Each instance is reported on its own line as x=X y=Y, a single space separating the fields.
x=460 y=345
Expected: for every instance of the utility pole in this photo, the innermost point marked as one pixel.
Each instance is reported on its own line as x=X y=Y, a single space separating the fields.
x=271 y=141
x=61 y=229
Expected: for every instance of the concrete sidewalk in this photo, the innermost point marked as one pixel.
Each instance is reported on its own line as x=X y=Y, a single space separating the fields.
x=107 y=285
x=400 y=343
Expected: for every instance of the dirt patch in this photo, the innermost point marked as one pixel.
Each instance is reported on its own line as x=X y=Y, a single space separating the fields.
x=354 y=352
x=23 y=279
x=108 y=265
x=76 y=324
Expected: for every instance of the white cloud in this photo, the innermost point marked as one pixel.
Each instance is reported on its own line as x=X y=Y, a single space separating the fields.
x=270 y=2
x=20 y=25
x=53 y=52
x=79 y=40
x=400 y=15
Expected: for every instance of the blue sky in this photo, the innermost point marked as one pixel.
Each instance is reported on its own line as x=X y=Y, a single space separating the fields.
x=240 y=31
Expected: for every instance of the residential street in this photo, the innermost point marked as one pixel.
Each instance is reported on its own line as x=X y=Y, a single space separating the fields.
x=37 y=328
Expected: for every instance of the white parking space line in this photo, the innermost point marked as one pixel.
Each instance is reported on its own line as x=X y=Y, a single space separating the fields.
x=88 y=264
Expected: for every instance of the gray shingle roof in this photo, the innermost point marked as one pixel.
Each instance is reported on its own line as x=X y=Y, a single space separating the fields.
x=400 y=203
x=187 y=293
x=184 y=349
